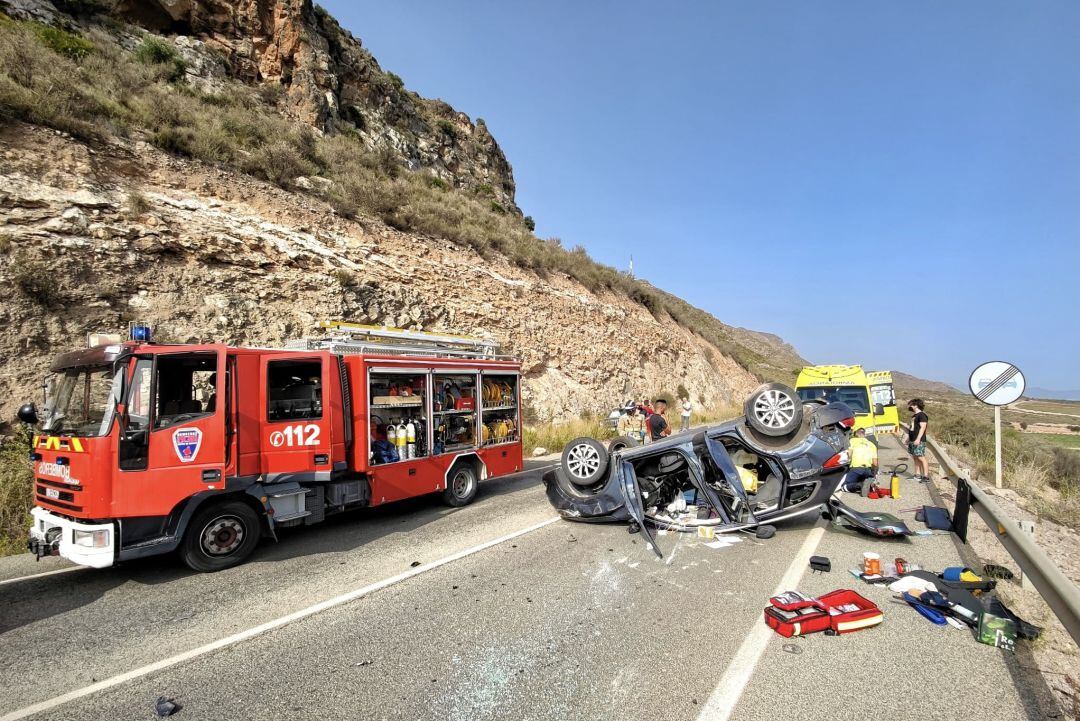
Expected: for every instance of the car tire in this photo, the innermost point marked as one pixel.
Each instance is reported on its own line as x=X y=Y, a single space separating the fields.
x=220 y=536
x=584 y=461
x=621 y=442
x=774 y=409
x=765 y=532
x=461 y=486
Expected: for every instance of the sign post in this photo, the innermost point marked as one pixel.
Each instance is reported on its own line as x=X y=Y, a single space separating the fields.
x=997 y=384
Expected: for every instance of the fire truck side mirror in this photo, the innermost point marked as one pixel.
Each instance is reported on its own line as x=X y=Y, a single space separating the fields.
x=28 y=414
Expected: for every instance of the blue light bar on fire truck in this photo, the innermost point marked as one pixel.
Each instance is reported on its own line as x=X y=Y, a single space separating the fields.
x=139 y=332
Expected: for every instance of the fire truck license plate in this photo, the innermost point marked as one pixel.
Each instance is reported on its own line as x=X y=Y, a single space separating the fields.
x=52 y=493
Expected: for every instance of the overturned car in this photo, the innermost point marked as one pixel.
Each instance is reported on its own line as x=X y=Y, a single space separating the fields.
x=781 y=459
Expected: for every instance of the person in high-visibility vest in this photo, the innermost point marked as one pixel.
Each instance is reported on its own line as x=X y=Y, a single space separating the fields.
x=864 y=461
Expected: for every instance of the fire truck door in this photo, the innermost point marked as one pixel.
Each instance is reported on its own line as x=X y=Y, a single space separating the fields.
x=172 y=442
x=295 y=416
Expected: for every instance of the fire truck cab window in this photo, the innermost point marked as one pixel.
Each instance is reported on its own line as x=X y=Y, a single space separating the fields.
x=185 y=387
x=294 y=390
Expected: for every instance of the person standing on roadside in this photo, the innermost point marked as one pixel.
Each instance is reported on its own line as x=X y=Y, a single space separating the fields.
x=656 y=423
x=687 y=409
x=917 y=430
x=632 y=424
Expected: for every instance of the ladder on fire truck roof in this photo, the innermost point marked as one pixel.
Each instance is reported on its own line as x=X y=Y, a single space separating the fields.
x=354 y=338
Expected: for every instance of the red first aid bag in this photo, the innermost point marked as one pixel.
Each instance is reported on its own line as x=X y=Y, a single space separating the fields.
x=842 y=611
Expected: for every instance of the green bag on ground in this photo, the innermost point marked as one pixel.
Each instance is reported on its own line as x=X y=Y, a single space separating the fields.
x=996 y=631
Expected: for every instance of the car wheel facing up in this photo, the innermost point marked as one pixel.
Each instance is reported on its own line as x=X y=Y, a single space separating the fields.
x=774 y=409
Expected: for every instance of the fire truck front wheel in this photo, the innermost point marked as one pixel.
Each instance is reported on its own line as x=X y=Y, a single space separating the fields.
x=461 y=485
x=220 y=536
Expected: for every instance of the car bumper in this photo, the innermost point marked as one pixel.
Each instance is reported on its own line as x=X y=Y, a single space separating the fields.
x=52 y=535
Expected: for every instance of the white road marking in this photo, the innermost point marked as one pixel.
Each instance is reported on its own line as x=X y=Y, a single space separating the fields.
x=263 y=627
x=721 y=703
x=43 y=574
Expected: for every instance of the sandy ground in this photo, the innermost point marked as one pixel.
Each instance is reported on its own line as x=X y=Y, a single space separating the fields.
x=1054 y=653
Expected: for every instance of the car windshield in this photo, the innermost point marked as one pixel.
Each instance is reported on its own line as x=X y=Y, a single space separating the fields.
x=80 y=401
x=854 y=396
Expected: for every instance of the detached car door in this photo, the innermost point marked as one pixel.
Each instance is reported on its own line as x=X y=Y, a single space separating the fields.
x=628 y=483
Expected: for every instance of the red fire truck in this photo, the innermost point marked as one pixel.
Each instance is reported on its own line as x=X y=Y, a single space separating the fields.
x=147 y=448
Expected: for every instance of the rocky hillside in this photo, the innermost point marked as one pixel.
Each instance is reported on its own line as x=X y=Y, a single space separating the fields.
x=208 y=254
x=239 y=171
x=313 y=69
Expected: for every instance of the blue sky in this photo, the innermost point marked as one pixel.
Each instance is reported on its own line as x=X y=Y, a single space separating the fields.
x=893 y=183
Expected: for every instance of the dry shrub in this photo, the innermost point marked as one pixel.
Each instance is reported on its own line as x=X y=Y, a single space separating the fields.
x=16 y=491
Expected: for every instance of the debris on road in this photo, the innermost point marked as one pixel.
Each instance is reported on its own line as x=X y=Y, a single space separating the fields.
x=166 y=707
x=792 y=648
x=365 y=662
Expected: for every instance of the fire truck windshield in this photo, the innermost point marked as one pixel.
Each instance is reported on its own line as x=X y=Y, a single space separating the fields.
x=80 y=401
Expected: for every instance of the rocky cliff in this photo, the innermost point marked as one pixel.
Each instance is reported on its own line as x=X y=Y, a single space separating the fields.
x=137 y=140
x=209 y=254
x=324 y=75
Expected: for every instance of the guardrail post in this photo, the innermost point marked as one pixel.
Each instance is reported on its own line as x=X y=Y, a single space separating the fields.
x=1028 y=528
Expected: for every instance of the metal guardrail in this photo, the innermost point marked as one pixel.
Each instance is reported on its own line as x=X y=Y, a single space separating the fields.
x=1060 y=594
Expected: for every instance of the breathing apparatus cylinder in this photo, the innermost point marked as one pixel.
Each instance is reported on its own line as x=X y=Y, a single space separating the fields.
x=410 y=438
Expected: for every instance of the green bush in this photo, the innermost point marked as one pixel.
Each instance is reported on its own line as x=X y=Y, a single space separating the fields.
x=529 y=223
x=280 y=163
x=155 y=51
x=448 y=129
x=62 y=42
x=344 y=277
x=175 y=140
x=16 y=491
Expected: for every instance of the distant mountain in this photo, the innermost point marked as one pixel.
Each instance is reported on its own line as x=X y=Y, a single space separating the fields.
x=910 y=382
x=1048 y=394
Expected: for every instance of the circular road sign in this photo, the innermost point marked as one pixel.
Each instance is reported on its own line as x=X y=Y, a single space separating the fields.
x=997 y=383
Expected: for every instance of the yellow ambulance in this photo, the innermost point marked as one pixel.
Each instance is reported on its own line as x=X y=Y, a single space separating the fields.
x=870 y=394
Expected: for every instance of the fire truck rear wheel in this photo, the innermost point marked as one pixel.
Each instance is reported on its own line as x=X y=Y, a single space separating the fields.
x=461 y=486
x=220 y=536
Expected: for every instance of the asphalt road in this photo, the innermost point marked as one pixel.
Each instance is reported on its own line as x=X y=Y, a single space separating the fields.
x=566 y=621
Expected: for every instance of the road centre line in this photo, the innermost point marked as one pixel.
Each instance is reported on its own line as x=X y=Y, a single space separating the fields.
x=721 y=703
x=42 y=574
x=263 y=627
